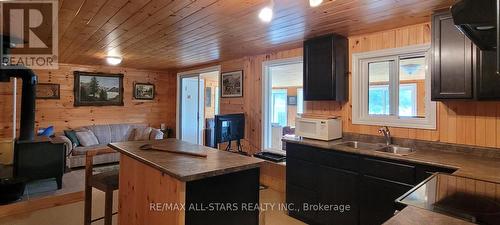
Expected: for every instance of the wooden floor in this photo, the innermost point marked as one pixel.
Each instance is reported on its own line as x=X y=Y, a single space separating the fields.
x=72 y=214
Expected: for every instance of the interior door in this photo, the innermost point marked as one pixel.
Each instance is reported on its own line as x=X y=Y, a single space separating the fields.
x=190 y=109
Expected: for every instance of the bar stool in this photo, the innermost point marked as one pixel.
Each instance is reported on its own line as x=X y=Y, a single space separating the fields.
x=105 y=181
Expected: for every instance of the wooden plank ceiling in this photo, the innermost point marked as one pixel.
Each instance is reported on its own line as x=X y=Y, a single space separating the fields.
x=170 y=34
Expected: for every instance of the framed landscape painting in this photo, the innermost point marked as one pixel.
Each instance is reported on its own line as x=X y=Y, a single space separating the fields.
x=48 y=91
x=98 y=89
x=232 y=84
x=144 y=91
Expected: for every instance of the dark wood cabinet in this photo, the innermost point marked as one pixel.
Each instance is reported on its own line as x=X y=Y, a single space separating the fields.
x=338 y=187
x=377 y=199
x=460 y=70
x=487 y=80
x=452 y=60
x=369 y=185
x=325 y=68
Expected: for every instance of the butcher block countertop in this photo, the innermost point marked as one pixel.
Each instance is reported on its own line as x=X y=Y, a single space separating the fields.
x=185 y=167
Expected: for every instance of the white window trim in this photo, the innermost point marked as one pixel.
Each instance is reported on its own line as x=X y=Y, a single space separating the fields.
x=360 y=90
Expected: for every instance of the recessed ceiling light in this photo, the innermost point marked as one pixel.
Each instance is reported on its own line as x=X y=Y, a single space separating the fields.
x=266 y=14
x=314 y=3
x=113 y=60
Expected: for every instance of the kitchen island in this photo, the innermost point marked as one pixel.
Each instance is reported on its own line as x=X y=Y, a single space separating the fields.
x=158 y=187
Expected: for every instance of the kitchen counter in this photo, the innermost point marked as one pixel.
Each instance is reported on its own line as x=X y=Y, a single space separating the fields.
x=158 y=187
x=466 y=165
x=416 y=216
x=185 y=167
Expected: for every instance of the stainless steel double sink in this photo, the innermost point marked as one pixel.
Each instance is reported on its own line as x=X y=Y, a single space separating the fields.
x=390 y=149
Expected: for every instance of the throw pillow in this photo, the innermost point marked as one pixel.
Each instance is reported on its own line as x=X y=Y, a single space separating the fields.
x=47 y=132
x=142 y=134
x=71 y=135
x=87 y=138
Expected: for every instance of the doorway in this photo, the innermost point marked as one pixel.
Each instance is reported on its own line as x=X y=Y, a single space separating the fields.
x=283 y=99
x=198 y=98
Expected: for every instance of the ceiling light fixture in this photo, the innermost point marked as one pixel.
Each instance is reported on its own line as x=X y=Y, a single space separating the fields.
x=314 y=3
x=113 y=60
x=266 y=14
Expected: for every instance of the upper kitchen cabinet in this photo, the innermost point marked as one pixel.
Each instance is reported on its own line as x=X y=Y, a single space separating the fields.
x=460 y=69
x=325 y=68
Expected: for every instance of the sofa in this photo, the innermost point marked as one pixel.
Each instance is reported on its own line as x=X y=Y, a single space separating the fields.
x=105 y=134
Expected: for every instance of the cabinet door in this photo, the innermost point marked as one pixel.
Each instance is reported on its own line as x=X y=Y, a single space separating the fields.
x=377 y=199
x=488 y=81
x=296 y=198
x=338 y=188
x=301 y=173
x=452 y=76
x=319 y=80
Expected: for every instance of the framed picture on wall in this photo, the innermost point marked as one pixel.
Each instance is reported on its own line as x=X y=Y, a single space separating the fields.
x=232 y=84
x=292 y=100
x=48 y=91
x=144 y=91
x=98 y=89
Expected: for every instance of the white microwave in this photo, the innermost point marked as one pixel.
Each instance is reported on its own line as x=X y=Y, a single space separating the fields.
x=320 y=129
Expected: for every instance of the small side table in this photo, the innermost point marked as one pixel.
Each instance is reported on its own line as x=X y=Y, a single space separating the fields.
x=167 y=133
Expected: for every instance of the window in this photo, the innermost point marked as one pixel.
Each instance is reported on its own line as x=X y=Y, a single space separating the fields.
x=279 y=107
x=300 y=100
x=392 y=87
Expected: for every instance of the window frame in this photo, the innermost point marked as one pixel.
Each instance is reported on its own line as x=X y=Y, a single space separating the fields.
x=360 y=90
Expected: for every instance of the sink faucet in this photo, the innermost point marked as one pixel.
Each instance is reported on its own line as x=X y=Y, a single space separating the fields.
x=387 y=134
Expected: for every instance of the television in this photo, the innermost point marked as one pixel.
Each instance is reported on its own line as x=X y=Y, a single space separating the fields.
x=229 y=127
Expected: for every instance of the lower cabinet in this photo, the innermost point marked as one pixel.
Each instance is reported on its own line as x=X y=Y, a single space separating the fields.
x=338 y=191
x=298 y=197
x=369 y=186
x=377 y=199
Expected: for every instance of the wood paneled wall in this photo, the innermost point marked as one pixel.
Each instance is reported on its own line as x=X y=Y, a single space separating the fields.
x=63 y=115
x=141 y=188
x=460 y=122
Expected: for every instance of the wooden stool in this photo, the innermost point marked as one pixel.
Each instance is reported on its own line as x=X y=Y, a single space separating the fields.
x=105 y=181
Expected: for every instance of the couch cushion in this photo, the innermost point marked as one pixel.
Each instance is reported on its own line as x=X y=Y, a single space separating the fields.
x=120 y=132
x=87 y=138
x=82 y=150
x=102 y=132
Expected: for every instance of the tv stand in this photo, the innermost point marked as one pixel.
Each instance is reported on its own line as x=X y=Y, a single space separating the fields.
x=239 y=148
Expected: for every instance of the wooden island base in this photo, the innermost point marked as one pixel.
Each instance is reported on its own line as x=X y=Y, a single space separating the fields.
x=150 y=196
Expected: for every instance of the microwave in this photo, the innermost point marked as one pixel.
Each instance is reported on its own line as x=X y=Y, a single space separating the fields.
x=319 y=129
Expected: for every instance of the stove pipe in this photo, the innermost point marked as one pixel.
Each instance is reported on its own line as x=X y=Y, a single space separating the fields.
x=27 y=128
